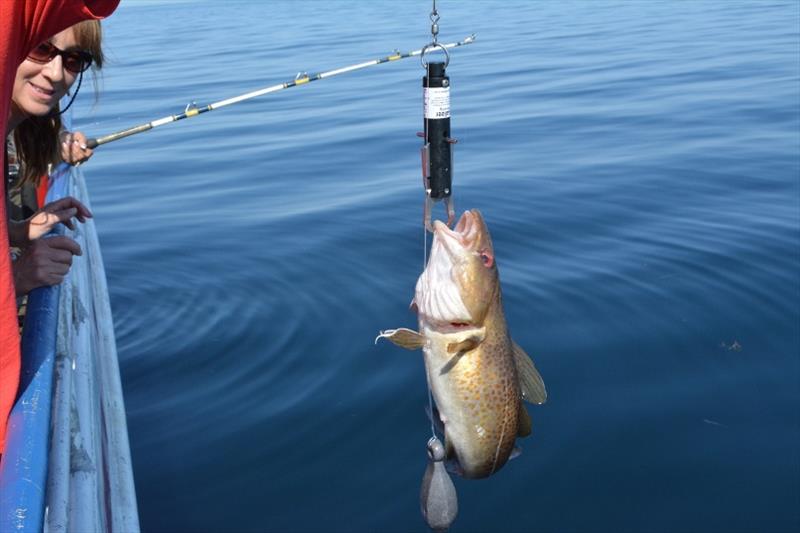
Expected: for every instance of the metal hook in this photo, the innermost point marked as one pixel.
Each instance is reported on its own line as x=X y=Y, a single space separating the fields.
x=427 y=211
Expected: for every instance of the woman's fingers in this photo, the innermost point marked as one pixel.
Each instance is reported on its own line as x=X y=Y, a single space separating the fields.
x=63 y=248
x=62 y=210
x=44 y=262
x=68 y=207
x=74 y=149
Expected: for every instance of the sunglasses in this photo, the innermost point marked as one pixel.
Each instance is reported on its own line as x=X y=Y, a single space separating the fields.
x=75 y=61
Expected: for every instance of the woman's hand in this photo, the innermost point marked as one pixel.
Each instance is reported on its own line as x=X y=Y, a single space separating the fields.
x=73 y=148
x=44 y=262
x=22 y=233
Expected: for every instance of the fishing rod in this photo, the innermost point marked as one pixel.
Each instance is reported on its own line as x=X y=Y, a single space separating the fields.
x=301 y=79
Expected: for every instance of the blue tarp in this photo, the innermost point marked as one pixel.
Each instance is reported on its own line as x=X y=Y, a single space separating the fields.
x=23 y=471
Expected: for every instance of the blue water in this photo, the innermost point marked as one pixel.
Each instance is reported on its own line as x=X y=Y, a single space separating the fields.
x=638 y=164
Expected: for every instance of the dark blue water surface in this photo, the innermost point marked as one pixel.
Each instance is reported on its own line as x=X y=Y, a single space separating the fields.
x=638 y=164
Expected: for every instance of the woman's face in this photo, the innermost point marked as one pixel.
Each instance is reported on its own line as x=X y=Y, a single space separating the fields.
x=38 y=87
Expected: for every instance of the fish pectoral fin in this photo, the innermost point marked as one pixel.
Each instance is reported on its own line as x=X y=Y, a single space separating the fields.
x=530 y=382
x=524 y=426
x=463 y=346
x=403 y=337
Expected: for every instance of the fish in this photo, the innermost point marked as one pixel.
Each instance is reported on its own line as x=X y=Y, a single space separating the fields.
x=478 y=375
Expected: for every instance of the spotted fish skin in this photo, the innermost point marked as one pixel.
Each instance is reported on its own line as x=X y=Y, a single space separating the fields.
x=477 y=394
x=477 y=374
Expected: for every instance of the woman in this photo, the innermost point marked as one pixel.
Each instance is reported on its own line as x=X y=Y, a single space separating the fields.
x=44 y=77
x=35 y=116
x=23 y=25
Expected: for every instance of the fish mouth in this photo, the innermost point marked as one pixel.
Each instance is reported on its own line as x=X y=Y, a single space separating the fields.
x=463 y=236
x=438 y=295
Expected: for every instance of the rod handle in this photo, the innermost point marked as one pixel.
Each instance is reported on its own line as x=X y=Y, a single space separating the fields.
x=93 y=143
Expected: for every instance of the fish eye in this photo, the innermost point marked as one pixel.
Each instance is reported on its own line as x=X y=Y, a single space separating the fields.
x=487 y=258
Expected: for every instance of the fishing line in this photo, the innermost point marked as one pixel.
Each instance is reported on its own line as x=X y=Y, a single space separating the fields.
x=430 y=393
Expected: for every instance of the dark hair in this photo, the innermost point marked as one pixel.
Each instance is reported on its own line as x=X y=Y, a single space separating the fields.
x=37 y=138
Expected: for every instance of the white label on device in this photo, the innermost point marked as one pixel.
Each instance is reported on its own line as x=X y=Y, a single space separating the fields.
x=437 y=102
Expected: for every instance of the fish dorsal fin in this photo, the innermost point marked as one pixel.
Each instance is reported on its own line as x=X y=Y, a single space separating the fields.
x=530 y=382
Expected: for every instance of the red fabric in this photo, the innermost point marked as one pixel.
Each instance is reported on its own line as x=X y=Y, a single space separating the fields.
x=23 y=25
x=41 y=191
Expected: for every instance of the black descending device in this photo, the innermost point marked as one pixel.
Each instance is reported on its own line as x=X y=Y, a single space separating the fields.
x=437 y=152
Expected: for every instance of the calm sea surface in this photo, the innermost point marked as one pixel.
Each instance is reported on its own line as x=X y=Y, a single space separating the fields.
x=638 y=164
